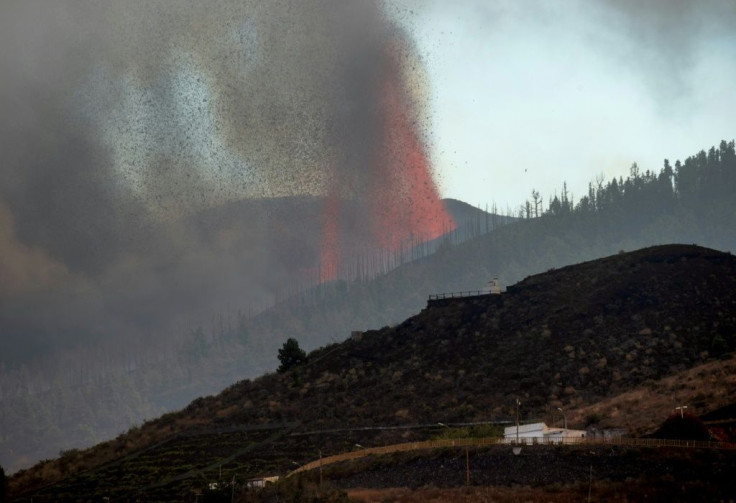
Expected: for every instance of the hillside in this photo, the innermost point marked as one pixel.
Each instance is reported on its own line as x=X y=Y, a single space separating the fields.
x=570 y=338
x=542 y=474
x=565 y=337
x=53 y=400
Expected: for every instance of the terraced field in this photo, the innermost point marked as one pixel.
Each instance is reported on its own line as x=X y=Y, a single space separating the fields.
x=188 y=463
x=179 y=465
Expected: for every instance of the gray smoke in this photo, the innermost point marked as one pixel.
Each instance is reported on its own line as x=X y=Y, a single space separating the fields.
x=658 y=41
x=663 y=40
x=135 y=134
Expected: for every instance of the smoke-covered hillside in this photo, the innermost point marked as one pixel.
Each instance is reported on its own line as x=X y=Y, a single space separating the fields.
x=59 y=397
x=568 y=338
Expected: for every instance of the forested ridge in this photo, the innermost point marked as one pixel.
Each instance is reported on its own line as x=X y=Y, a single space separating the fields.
x=687 y=204
x=83 y=396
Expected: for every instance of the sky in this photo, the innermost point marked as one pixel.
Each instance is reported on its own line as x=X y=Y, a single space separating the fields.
x=528 y=94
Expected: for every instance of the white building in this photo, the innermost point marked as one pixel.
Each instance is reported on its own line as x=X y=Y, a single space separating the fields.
x=260 y=482
x=540 y=433
x=495 y=286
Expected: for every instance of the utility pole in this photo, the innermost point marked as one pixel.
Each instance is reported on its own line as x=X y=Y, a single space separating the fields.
x=320 y=468
x=517 y=420
x=564 y=417
x=467 y=467
x=590 y=483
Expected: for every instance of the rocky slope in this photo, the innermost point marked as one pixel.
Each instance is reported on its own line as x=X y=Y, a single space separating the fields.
x=568 y=338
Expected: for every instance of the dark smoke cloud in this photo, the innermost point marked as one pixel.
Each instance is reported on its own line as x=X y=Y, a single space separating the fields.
x=140 y=138
x=25 y=270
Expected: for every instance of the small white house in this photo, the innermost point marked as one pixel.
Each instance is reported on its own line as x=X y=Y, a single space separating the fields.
x=542 y=434
x=495 y=286
x=260 y=482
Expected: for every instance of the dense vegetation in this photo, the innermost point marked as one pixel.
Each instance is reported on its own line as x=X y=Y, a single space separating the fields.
x=566 y=338
x=58 y=404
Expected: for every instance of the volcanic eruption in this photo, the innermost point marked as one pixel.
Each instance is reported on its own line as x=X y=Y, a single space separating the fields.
x=161 y=158
x=382 y=161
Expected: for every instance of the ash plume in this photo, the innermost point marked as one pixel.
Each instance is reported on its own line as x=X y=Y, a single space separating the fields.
x=140 y=141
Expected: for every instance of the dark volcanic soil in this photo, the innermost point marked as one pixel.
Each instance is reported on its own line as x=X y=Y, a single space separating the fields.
x=702 y=474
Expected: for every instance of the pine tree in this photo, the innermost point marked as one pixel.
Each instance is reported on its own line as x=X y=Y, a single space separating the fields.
x=537 y=198
x=291 y=355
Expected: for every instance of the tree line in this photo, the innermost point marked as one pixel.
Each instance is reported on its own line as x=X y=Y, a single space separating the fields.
x=703 y=182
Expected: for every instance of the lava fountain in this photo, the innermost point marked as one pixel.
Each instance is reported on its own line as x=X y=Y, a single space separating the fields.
x=394 y=184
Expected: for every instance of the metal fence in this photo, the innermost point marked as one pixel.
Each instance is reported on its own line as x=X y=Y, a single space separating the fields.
x=458 y=295
x=625 y=441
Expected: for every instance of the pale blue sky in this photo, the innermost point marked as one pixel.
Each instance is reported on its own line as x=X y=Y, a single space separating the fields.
x=528 y=94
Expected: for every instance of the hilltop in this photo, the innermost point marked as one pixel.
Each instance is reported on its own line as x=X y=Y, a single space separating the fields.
x=572 y=338
x=566 y=337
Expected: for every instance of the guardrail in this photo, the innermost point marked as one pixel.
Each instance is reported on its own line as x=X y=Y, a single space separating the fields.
x=624 y=441
x=458 y=295
x=488 y=441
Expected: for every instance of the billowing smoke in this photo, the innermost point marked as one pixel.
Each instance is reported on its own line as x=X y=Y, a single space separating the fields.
x=162 y=158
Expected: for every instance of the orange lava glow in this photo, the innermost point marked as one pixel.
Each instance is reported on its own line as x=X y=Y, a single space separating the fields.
x=330 y=257
x=406 y=201
x=403 y=203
